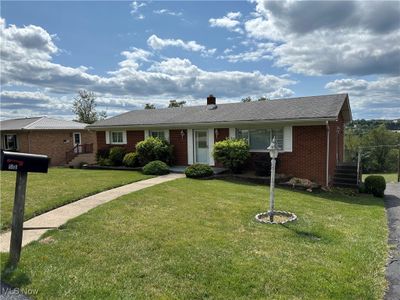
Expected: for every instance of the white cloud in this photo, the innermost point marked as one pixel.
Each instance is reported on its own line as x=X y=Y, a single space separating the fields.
x=230 y=22
x=378 y=98
x=26 y=61
x=262 y=52
x=135 y=9
x=330 y=37
x=167 y=12
x=157 y=43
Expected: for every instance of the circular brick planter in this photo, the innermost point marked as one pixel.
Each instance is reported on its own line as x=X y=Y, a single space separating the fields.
x=280 y=217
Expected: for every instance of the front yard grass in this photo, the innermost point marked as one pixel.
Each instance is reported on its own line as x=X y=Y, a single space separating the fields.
x=58 y=187
x=189 y=239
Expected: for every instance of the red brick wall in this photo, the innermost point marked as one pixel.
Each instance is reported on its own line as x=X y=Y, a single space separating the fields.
x=223 y=133
x=180 y=146
x=308 y=158
x=336 y=142
x=53 y=143
x=132 y=136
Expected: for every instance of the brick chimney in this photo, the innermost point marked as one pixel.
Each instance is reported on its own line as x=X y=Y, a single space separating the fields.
x=211 y=100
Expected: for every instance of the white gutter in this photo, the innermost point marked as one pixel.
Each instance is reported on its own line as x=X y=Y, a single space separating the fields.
x=327 y=153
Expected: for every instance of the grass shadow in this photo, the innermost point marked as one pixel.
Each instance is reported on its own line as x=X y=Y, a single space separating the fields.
x=14 y=276
x=361 y=199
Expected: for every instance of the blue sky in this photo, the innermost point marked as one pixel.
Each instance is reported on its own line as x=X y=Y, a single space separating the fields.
x=132 y=53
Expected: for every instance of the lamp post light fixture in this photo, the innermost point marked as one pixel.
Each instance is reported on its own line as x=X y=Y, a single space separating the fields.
x=273 y=153
x=282 y=217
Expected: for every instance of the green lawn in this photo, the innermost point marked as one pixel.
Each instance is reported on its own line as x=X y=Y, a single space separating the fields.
x=58 y=187
x=389 y=177
x=189 y=239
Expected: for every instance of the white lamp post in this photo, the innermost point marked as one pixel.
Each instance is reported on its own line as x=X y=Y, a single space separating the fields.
x=273 y=153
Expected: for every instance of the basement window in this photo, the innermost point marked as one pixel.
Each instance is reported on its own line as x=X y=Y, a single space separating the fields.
x=260 y=139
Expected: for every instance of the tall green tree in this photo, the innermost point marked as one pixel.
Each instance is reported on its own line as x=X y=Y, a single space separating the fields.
x=84 y=106
x=174 y=103
x=149 y=106
x=382 y=158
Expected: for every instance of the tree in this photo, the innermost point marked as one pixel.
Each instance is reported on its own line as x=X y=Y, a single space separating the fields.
x=174 y=103
x=381 y=157
x=149 y=106
x=263 y=98
x=84 y=107
x=247 y=99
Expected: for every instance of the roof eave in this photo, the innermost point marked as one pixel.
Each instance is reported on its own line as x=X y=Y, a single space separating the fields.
x=219 y=124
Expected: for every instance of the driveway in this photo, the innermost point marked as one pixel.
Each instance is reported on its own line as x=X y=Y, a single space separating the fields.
x=392 y=204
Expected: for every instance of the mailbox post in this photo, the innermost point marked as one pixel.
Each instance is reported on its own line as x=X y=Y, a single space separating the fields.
x=22 y=163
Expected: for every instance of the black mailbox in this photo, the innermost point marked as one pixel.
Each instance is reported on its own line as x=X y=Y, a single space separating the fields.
x=24 y=162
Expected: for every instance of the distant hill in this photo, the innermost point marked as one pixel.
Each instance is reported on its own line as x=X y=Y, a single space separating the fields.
x=363 y=126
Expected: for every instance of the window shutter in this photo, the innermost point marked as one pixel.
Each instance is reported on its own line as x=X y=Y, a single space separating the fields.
x=166 y=134
x=107 y=133
x=287 y=139
x=190 y=146
x=124 y=138
x=146 y=134
x=211 y=146
x=232 y=133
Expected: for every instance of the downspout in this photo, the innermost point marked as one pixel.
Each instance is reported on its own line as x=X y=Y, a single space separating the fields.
x=327 y=153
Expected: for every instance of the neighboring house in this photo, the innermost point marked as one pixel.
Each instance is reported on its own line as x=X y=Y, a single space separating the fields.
x=308 y=130
x=65 y=142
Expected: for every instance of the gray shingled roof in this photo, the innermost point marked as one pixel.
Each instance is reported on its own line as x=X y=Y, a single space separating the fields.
x=304 y=108
x=40 y=123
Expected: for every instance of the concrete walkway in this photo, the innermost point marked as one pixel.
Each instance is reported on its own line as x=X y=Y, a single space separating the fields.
x=392 y=204
x=35 y=227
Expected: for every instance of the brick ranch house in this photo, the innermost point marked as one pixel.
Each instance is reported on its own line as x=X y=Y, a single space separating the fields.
x=65 y=142
x=309 y=131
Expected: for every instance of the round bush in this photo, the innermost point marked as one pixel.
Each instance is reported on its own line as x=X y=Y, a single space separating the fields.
x=199 y=171
x=131 y=159
x=154 y=149
x=156 y=167
x=117 y=155
x=376 y=185
x=232 y=153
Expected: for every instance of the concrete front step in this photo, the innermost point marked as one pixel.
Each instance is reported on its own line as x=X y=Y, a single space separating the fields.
x=89 y=158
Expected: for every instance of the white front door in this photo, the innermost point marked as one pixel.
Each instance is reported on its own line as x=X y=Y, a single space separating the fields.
x=201 y=151
x=77 y=141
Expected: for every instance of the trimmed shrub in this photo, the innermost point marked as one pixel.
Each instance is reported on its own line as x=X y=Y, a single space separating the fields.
x=199 y=171
x=131 y=159
x=117 y=155
x=232 y=153
x=156 y=167
x=102 y=153
x=154 y=149
x=105 y=162
x=376 y=185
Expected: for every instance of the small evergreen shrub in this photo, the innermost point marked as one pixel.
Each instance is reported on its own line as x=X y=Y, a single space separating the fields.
x=156 y=167
x=232 y=153
x=117 y=155
x=154 y=149
x=376 y=185
x=105 y=162
x=102 y=153
x=199 y=171
x=131 y=159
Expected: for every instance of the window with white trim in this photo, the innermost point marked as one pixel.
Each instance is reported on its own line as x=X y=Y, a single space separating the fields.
x=260 y=139
x=116 y=137
x=158 y=134
x=10 y=142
